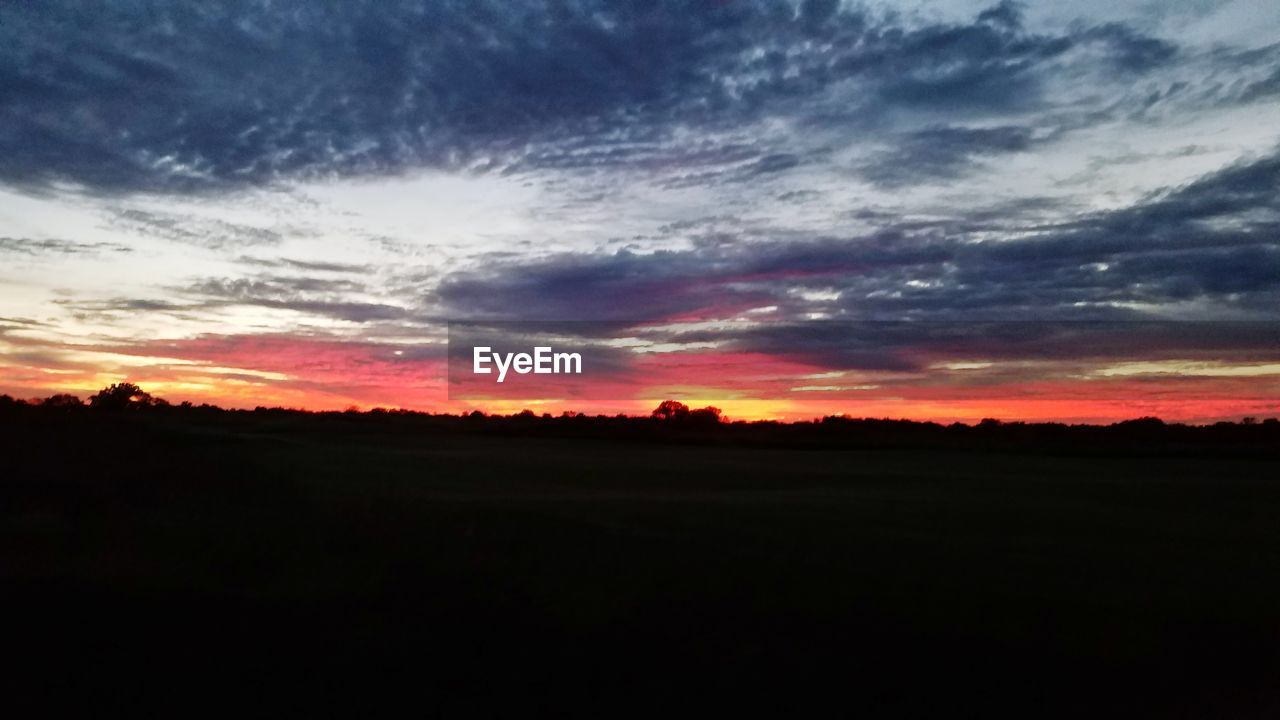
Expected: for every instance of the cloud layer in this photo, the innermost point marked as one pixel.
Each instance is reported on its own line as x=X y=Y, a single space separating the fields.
x=140 y=95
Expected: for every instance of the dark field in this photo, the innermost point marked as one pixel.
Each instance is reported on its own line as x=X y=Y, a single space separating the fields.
x=331 y=564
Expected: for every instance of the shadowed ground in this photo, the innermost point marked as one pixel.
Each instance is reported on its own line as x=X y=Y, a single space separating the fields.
x=333 y=563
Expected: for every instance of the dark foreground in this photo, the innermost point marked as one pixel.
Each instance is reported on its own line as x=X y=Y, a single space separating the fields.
x=329 y=566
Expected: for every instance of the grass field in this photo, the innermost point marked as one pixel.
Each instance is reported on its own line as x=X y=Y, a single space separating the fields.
x=333 y=566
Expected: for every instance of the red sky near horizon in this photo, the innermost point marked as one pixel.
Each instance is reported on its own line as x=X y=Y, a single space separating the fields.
x=321 y=374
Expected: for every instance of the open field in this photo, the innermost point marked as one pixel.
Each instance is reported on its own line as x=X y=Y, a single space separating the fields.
x=333 y=564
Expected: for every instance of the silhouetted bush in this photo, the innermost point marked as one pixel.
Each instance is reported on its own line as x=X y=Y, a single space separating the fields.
x=62 y=400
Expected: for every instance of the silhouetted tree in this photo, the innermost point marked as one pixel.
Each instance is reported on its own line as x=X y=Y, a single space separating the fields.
x=1145 y=422
x=676 y=411
x=62 y=400
x=707 y=415
x=121 y=396
x=670 y=410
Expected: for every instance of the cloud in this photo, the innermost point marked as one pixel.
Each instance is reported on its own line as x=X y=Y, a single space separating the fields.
x=48 y=246
x=189 y=229
x=1265 y=88
x=177 y=98
x=1129 y=49
x=317 y=297
x=945 y=152
x=308 y=295
x=306 y=265
x=11 y=323
x=1212 y=241
x=919 y=346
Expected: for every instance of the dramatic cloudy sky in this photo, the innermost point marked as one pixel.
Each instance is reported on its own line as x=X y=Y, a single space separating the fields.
x=787 y=208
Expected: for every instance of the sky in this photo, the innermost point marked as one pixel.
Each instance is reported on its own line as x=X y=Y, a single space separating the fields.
x=787 y=209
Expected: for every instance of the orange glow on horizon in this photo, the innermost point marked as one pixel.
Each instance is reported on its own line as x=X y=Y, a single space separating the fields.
x=326 y=374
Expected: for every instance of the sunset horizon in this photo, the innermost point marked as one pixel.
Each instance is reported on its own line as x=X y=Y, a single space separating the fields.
x=745 y=193
x=325 y=375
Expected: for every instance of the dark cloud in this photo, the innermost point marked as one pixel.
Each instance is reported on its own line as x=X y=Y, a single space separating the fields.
x=1007 y=13
x=317 y=296
x=188 y=229
x=309 y=295
x=1211 y=241
x=1265 y=88
x=915 y=346
x=306 y=265
x=273 y=286
x=130 y=96
x=776 y=162
x=621 y=286
x=959 y=68
x=8 y=323
x=138 y=304
x=110 y=311
x=1129 y=49
x=945 y=152
x=29 y=246
x=1236 y=207
x=708 y=281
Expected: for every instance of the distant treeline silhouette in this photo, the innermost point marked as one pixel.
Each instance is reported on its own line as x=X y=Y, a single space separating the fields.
x=671 y=421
